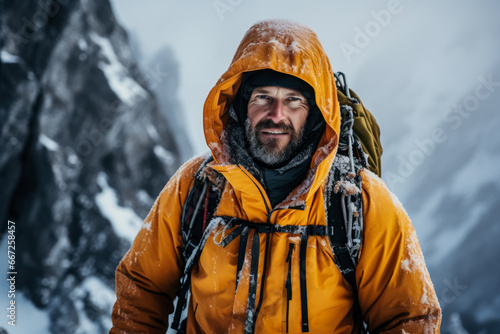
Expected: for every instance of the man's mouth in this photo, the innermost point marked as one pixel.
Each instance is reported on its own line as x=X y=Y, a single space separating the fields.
x=274 y=132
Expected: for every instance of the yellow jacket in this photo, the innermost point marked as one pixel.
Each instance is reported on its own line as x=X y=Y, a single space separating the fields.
x=395 y=291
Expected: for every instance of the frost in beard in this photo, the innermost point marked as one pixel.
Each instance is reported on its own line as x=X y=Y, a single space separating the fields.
x=268 y=152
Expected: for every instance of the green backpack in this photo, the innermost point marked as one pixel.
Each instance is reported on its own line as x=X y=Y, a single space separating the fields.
x=365 y=126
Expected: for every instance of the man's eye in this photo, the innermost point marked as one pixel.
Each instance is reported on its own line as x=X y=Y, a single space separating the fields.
x=295 y=101
x=265 y=97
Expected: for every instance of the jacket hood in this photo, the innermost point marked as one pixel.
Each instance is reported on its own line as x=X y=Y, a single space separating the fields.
x=286 y=47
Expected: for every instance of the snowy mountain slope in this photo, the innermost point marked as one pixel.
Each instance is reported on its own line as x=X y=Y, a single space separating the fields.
x=84 y=151
x=454 y=200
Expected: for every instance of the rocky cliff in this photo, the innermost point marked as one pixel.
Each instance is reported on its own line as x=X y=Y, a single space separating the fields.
x=84 y=151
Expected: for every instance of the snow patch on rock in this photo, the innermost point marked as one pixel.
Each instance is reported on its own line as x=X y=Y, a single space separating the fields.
x=165 y=156
x=118 y=77
x=124 y=221
x=48 y=143
x=8 y=58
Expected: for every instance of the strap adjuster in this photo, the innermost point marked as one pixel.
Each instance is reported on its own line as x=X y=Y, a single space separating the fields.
x=264 y=228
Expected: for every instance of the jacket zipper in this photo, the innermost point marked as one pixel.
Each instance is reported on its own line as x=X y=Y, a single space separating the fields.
x=288 y=284
x=262 y=192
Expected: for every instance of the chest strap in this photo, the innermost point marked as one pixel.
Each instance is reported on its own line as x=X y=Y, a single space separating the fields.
x=241 y=229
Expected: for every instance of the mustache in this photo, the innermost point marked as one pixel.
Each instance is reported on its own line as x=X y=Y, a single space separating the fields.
x=269 y=124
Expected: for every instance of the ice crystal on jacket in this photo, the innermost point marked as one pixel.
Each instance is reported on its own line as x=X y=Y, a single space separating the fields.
x=346 y=187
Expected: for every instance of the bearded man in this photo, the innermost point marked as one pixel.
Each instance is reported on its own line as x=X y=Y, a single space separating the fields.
x=272 y=123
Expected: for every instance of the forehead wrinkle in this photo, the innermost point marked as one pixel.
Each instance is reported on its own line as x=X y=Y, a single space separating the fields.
x=261 y=90
x=265 y=90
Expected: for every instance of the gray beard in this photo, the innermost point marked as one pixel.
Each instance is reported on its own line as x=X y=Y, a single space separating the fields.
x=269 y=153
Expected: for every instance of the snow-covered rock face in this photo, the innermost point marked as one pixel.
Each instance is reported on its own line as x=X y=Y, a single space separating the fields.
x=83 y=153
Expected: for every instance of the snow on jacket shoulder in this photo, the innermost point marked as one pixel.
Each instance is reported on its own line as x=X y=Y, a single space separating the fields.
x=395 y=291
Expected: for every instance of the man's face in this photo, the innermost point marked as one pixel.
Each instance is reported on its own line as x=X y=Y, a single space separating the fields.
x=276 y=122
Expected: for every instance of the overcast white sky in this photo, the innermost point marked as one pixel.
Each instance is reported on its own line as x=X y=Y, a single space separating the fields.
x=420 y=59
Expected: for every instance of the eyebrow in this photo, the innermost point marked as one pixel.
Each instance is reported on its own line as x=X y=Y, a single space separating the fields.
x=261 y=90
x=265 y=91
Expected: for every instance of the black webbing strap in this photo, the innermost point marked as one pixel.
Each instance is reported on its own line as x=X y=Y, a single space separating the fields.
x=288 y=284
x=181 y=304
x=241 y=253
x=240 y=224
x=252 y=289
x=303 y=283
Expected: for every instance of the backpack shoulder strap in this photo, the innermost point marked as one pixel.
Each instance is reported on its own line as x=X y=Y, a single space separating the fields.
x=344 y=211
x=198 y=209
x=191 y=232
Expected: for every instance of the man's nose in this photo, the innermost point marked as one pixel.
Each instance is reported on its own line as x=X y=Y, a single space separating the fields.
x=277 y=112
